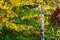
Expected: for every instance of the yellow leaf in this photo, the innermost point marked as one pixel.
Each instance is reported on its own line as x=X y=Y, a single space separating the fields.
x=58 y=32
x=15 y=2
x=29 y=27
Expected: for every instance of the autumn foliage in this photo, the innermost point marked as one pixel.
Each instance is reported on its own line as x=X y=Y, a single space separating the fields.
x=55 y=15
x=19 y=19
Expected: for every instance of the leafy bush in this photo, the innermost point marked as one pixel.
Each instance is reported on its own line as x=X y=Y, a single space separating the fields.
x=19 y=20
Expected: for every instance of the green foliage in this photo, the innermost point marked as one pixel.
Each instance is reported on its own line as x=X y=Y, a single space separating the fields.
x=19 y=20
